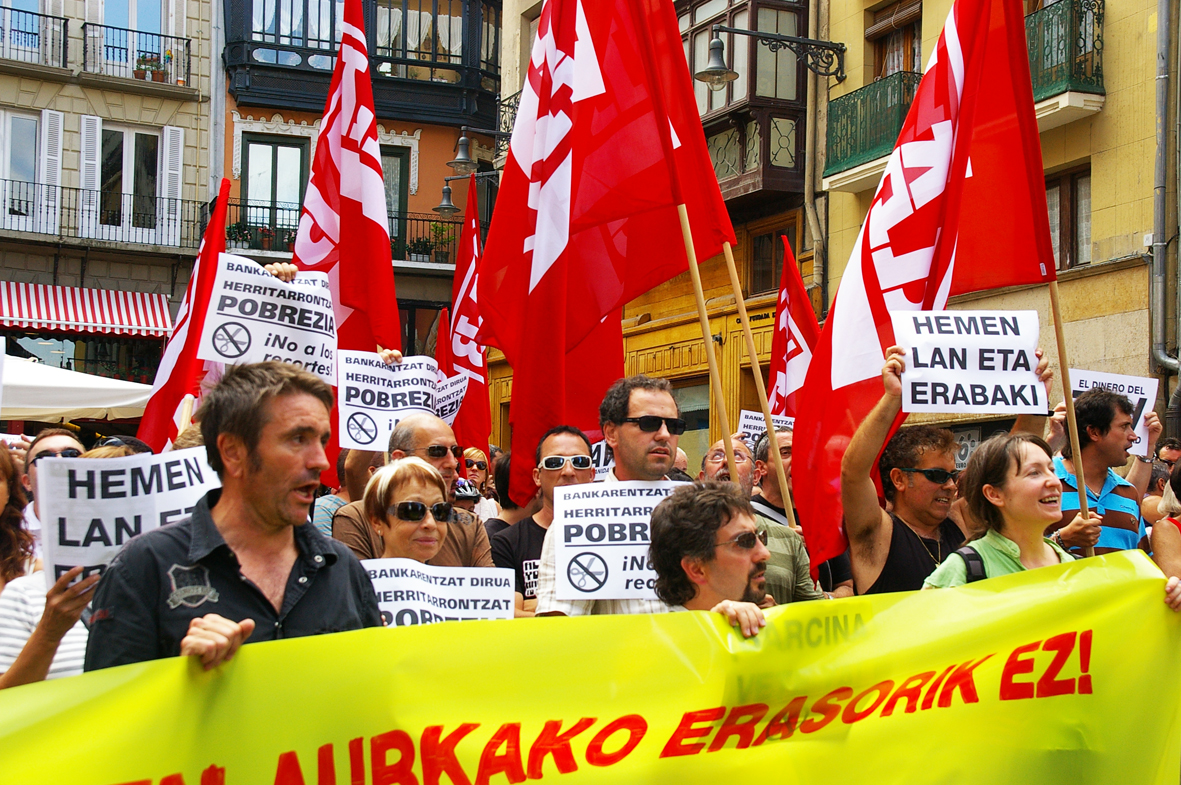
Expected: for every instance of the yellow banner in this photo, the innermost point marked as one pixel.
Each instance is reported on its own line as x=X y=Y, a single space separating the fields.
x=1067 y=674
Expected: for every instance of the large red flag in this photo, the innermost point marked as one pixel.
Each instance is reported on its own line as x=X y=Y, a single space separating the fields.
x=473 y=423
x=607 y=143
x=344 y=228
x=794 y=340
x=180 y=372
x=961 y=207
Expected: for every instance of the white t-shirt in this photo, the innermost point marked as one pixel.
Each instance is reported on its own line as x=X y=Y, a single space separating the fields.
x=21 y=604
x=33 y=526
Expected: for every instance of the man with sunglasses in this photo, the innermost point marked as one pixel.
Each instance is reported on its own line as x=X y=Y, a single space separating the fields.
x=247 y=566
x=423 y=436
x=896 y=550
x=709 y=554
x=641 y=424
x=49 y=443
x=563 y=458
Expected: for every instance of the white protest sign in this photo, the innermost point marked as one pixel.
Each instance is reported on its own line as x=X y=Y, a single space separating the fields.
x=372 y=396
x=602 y=545
x=1141 y=391
x=410 y=592
x=971 y=362
x=253 y=316
x=91 y=507
x=753 y=425
x=603 y=459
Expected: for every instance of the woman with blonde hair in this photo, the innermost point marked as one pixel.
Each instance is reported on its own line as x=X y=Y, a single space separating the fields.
x=406 y=503
x=476 y=463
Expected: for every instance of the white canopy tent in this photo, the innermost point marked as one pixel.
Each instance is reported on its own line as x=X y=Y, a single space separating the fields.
x=35 y=391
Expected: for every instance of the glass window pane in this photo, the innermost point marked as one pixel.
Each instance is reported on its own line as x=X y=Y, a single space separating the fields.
x=783 y=142
x=259 y=173
x=762 y=278
x=1052 y=202
x=391 y=174
x=694 y=403
x=117 y=13
x=1082 y=219
x=22 y=150
x=288 y=174
x=786 y=61
x=111 y=179
x=147 y=16
x=707 y=9
x=753 y=146
x=700 y=58
x=725 y=152
x=144 y=180
x=741 y=57
x=683 y=22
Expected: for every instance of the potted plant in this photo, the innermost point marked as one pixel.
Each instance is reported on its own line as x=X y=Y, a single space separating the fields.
x=289 y=238
x=145 y=63
x=441 y=237
x=160 y=74
x=267 y=235
x=238 y=234
x=419 y=249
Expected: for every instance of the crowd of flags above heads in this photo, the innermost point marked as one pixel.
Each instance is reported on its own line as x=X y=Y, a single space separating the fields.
x=607 y=146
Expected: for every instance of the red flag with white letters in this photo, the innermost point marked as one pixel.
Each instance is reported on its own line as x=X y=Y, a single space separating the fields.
x=796 y=333
x=961 y=207
x=607 y=144
x=473 y=423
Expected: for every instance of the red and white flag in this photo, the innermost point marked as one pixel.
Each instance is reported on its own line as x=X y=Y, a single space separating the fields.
x=794 y=340
x=344 y=228
x=961 y=207
x=473 y=423
x=180 y=373
x=607 y=143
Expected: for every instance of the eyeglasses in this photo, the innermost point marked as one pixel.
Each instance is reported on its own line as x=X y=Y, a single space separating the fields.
x=937 y=476
x=475 y=464
x=555 y=463
x=441 y=450
x=69 y=452
x=1167 y=462
x=747 y=540
x=416 y=511
x=718 y=456
x=650 y=423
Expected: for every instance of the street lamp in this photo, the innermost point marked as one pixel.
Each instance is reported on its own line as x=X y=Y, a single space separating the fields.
x=824 y=58
x=447 y=208
x=463 y=163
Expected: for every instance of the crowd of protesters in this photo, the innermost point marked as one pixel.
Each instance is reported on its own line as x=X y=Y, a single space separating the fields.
x=278 y=558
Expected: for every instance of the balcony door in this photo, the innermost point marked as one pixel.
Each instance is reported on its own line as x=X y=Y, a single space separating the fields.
x=132 y=39
x=395 y=174
x=21 y=24
x=275 y=172
x=30 y=164
x=131 y=178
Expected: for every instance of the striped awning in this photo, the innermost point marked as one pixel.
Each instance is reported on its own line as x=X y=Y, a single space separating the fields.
x=74 y=309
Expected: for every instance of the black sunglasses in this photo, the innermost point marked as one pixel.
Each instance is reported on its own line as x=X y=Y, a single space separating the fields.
x=476 y=464
x=69 y=452
x=416 y=511
x=650 y=423
x=747 y=540
x=937 y=476
x=555 y=462
x=441 y=450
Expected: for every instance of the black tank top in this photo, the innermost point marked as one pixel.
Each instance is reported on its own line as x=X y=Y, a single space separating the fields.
x=912 y=558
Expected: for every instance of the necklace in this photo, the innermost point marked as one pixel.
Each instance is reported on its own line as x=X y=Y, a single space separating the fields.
x=936 y=557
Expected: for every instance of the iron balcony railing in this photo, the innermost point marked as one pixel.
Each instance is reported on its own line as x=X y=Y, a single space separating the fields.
x=506 y=118
x=99 y=215
x=1066 y=48
x=272 y=226
x=131 y=54
x=34 y=38
x=864 y=125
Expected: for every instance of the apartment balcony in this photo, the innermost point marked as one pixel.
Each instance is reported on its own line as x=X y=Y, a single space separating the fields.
x=38 y=213
x=135 y=61
x=862 y=129
x=419 y=240
x=34 y=39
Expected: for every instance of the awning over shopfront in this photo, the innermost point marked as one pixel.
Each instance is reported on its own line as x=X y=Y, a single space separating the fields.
x=75 y=309
x=34 y=391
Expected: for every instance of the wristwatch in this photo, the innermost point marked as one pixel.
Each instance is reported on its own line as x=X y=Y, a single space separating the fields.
x=1144 y=458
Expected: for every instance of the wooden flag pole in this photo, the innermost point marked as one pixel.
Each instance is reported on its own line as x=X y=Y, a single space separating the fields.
x=186 y=412
x=1071 y=423
x=752 y=352
x=715 y=377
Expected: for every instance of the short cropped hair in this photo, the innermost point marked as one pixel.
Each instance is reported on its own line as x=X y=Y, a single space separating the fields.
x=1160 y=471
x=570 y=429
x=907 y=447
x=340 y=461
x=616 y=402
x=45 y=434
x=385 y=483
x=1167 y=444
x=1096 y=409
x=403 y=437
x=500 y=481
x=762 y=449
x=235 y=406
x=189 y=437
x=990 y=465
x=686 y=523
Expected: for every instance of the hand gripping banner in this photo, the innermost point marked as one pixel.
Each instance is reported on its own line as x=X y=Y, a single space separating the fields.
x=1066 y=674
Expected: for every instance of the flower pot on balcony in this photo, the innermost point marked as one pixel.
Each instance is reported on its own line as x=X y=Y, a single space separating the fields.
x=442 y=257
x=419 y=257
x=140 y=73
x=158 y=76
x=266 y=242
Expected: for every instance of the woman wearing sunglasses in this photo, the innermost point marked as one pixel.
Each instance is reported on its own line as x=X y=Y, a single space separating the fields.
x=476 y=463
x=1011 y=487
x=406 y=503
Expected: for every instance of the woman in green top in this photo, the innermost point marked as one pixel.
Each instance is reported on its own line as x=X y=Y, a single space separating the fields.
x=1010 y=485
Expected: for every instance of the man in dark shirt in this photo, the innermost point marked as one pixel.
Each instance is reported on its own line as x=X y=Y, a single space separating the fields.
x=246 y=566
x=563 y=458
